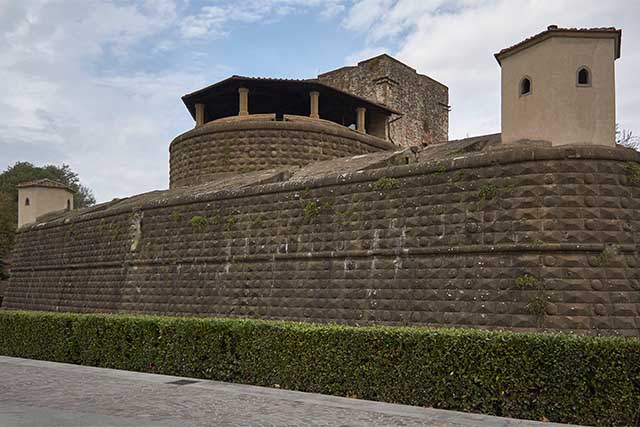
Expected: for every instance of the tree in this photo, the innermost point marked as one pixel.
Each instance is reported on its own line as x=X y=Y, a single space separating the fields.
x=626 y=138
x=23 y=172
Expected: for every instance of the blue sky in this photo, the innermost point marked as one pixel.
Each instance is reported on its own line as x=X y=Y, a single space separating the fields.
x=97 y=84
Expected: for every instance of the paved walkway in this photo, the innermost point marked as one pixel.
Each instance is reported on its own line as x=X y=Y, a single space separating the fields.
x=38 y=394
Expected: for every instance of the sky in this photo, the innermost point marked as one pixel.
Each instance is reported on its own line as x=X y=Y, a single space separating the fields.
x=97 y=84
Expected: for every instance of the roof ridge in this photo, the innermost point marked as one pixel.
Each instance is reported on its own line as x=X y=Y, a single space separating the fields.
x=553 y=30
x=45 y=182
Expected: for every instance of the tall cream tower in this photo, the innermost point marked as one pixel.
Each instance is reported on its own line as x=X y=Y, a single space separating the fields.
x=559 y=86
x=36 y=198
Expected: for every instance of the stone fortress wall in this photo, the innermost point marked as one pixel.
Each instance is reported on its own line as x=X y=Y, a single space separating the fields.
x=422 y=100
x=247 y=144
x=519 y=238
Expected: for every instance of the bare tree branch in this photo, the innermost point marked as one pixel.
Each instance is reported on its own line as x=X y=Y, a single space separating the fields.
x=626 y=138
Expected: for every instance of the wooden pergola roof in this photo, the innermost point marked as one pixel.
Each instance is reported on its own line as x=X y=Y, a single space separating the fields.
x=269 y=95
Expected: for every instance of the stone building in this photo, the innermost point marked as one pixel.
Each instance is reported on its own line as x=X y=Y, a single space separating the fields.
x=297 y=200
x=559 y=86
x=245 y=124
x=422 y=101
x=37 y=198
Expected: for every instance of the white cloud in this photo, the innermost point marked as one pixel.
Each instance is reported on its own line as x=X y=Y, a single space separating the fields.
x=61 y=102
x=454 y=42
x=77 y=86
x=84 y=81
x=213 y=21
x=366 y=53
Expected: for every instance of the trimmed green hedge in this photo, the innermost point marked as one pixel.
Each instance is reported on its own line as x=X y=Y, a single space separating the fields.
x=565 y=378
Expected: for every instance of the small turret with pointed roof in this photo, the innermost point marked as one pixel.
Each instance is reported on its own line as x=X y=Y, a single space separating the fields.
x=559 y=86
x=40 y=197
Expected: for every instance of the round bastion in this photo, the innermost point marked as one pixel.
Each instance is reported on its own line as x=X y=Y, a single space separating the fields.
x=243 y=144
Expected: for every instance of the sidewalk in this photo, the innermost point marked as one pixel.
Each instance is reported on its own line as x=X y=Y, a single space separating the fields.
x=37 y=394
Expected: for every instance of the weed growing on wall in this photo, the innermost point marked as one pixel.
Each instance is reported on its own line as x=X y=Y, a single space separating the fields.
x=386 y=183
x=633 y=170
x=199 y=223
x=441 y=169
x=229 y=223
x=215 y=219
x=488 y=192
x=526 y=281
x=175 y=216
x=311 y=211
x=537 y=305
x=604 y=258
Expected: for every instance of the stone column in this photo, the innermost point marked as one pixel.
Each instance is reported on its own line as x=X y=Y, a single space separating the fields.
x=314 y=96
x=360 y=111
x=244 y=101
x=199 y=114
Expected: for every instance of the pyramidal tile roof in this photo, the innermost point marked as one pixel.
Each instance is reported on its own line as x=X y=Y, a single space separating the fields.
x=554 y=30
x=47 y=183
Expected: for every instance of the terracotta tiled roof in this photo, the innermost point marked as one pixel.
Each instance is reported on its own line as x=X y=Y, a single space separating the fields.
x=48 y=183
x=554 y=30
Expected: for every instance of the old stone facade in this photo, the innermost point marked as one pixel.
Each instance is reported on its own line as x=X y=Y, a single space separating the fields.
x=288 y=208
x=422 y=101
x=548 y=239
x=248 y=145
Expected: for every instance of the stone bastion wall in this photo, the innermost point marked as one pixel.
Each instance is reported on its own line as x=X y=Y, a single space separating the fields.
x=247 y=144
x=522 y=238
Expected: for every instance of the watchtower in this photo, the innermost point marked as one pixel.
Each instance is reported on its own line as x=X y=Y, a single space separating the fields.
x=37 y=198
x=559 y=86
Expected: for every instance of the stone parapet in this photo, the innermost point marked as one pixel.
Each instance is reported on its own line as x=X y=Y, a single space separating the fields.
x=248 y=144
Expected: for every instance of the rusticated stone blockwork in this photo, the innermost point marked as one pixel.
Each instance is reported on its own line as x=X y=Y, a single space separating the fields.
x=422 y=101
x=512 y=238
x=246 y=146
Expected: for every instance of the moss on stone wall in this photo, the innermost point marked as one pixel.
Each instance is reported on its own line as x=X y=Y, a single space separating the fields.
x=428 y=252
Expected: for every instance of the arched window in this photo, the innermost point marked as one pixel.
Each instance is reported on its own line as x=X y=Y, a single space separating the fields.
x=27 y=202
x=68 y=205
x=584 y=77
x=525 y=86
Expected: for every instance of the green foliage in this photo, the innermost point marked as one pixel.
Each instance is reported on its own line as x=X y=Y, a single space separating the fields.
x=605 y=256
x=175 y=216
x=488 y=192
x=633 y=170
x=508 y=189
x=215 y=219
x=526 y=281
x=230 y=222
x=386 y=183
x=537 y=305
x=311 y=210
x=24 y=172
x=441 y=169
x=565 y=378
x=199 y=223
x=459 y=176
